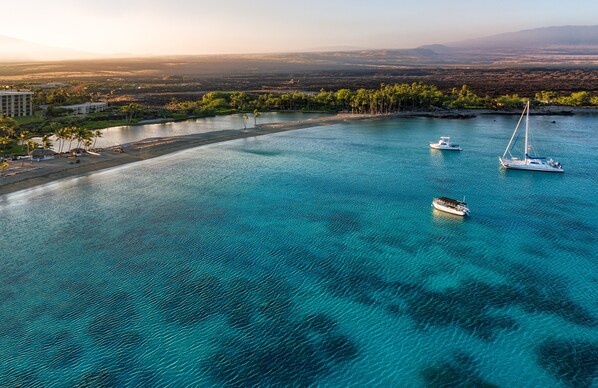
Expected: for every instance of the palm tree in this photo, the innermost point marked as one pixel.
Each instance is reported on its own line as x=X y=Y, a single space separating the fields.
x=256 y=114
x=10 y=132
x=8 y=125
x=46 y=142
x=4 y=140
x=23 y=137
x=130 y=110
x=245 y=118
x=81 y=135
x=96 y=135
x=3 y=166
x=61 y=134
x=71 y=135
x=31 y=145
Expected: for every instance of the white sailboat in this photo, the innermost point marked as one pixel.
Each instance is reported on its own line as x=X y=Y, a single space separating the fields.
x=529 y=163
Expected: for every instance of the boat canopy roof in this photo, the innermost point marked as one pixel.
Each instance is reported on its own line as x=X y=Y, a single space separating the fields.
x=450 y=201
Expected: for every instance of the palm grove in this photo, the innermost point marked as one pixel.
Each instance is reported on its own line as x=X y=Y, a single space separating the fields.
x=17 y=140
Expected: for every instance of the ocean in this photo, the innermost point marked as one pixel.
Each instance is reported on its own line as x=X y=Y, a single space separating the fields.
x=311 y=258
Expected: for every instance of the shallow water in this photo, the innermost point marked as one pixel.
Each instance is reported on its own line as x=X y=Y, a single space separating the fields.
x=311 y=257
x=132 y=133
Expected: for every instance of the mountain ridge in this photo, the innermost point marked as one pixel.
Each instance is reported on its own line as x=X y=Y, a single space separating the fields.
x=544 y=37
x=556 y=40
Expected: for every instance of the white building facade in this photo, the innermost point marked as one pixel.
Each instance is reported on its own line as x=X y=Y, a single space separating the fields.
x=86 y=108
x=15 y=103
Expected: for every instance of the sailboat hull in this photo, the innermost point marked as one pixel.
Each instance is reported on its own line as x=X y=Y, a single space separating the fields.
x=519 y=164
x=528 y=163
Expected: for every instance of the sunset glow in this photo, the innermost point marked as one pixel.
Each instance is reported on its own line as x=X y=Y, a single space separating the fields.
x=139 y=27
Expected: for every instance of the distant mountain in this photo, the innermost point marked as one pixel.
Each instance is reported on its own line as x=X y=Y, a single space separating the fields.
x=539 y=38
x=550 y=46
x=437 y=48
x=12 y=50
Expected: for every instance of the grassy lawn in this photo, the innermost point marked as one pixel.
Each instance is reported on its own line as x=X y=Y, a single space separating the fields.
x=36 y=118
x=103 y=124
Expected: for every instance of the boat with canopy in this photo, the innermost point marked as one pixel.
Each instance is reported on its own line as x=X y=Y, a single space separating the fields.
x=450 y=205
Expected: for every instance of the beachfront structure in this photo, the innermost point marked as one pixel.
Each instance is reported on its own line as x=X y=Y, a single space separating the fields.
x=16 y=103
x=86 y=108
x=41 y=154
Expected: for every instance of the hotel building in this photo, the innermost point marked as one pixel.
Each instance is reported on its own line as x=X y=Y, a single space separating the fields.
x=16 y=103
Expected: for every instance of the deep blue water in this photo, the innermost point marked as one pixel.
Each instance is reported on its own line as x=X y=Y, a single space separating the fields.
x=311 y=257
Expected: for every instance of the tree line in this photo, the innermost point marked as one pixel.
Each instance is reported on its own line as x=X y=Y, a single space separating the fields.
x=383 y=100
x=386 y=99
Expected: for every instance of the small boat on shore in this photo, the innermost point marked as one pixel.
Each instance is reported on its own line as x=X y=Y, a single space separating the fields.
x=450 y=205
x=445 y=144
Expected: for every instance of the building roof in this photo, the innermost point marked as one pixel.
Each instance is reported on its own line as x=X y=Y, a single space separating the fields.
x=38 y=153
x=14 y=92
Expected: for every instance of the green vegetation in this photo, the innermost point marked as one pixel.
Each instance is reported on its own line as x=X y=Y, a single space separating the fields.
x=15 y=135
x=386 y=99
x=17 y=140
x=9 y=133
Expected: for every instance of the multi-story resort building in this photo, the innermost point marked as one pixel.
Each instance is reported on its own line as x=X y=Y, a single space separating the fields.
x=15 y=103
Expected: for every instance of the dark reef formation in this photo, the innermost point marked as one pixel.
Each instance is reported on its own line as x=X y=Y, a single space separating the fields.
x=574 y=363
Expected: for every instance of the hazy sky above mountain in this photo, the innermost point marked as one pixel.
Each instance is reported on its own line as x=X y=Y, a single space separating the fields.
x=242 y=26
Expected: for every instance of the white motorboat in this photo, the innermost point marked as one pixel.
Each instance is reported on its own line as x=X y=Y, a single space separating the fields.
x=528 y=162
x=445 y=144
x=450 y=205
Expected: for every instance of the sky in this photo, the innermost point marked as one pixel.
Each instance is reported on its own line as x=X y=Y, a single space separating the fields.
x=158 y=27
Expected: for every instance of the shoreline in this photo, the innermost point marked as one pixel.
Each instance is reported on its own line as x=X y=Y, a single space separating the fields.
x=549 y=110
x=23 y=175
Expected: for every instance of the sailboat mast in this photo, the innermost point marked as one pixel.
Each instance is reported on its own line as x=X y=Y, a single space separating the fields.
x=526 y=127
x=513 y=135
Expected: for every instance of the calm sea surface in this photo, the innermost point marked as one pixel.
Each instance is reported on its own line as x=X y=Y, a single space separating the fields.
x=311 y=257
x=132 y=133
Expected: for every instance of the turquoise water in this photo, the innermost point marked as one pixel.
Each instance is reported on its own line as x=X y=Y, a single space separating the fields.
x=129 y=134
x=311 y=257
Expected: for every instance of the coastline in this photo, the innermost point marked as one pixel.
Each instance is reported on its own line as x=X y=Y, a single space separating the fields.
x=22 y=175
x=464 y=113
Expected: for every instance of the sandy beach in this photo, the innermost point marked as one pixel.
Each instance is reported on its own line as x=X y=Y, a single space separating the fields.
x=23 y=175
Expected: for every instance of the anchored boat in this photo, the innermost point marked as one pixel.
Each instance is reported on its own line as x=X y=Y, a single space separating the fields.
x=450 y=205
x=529 y=163
x=445 y=144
